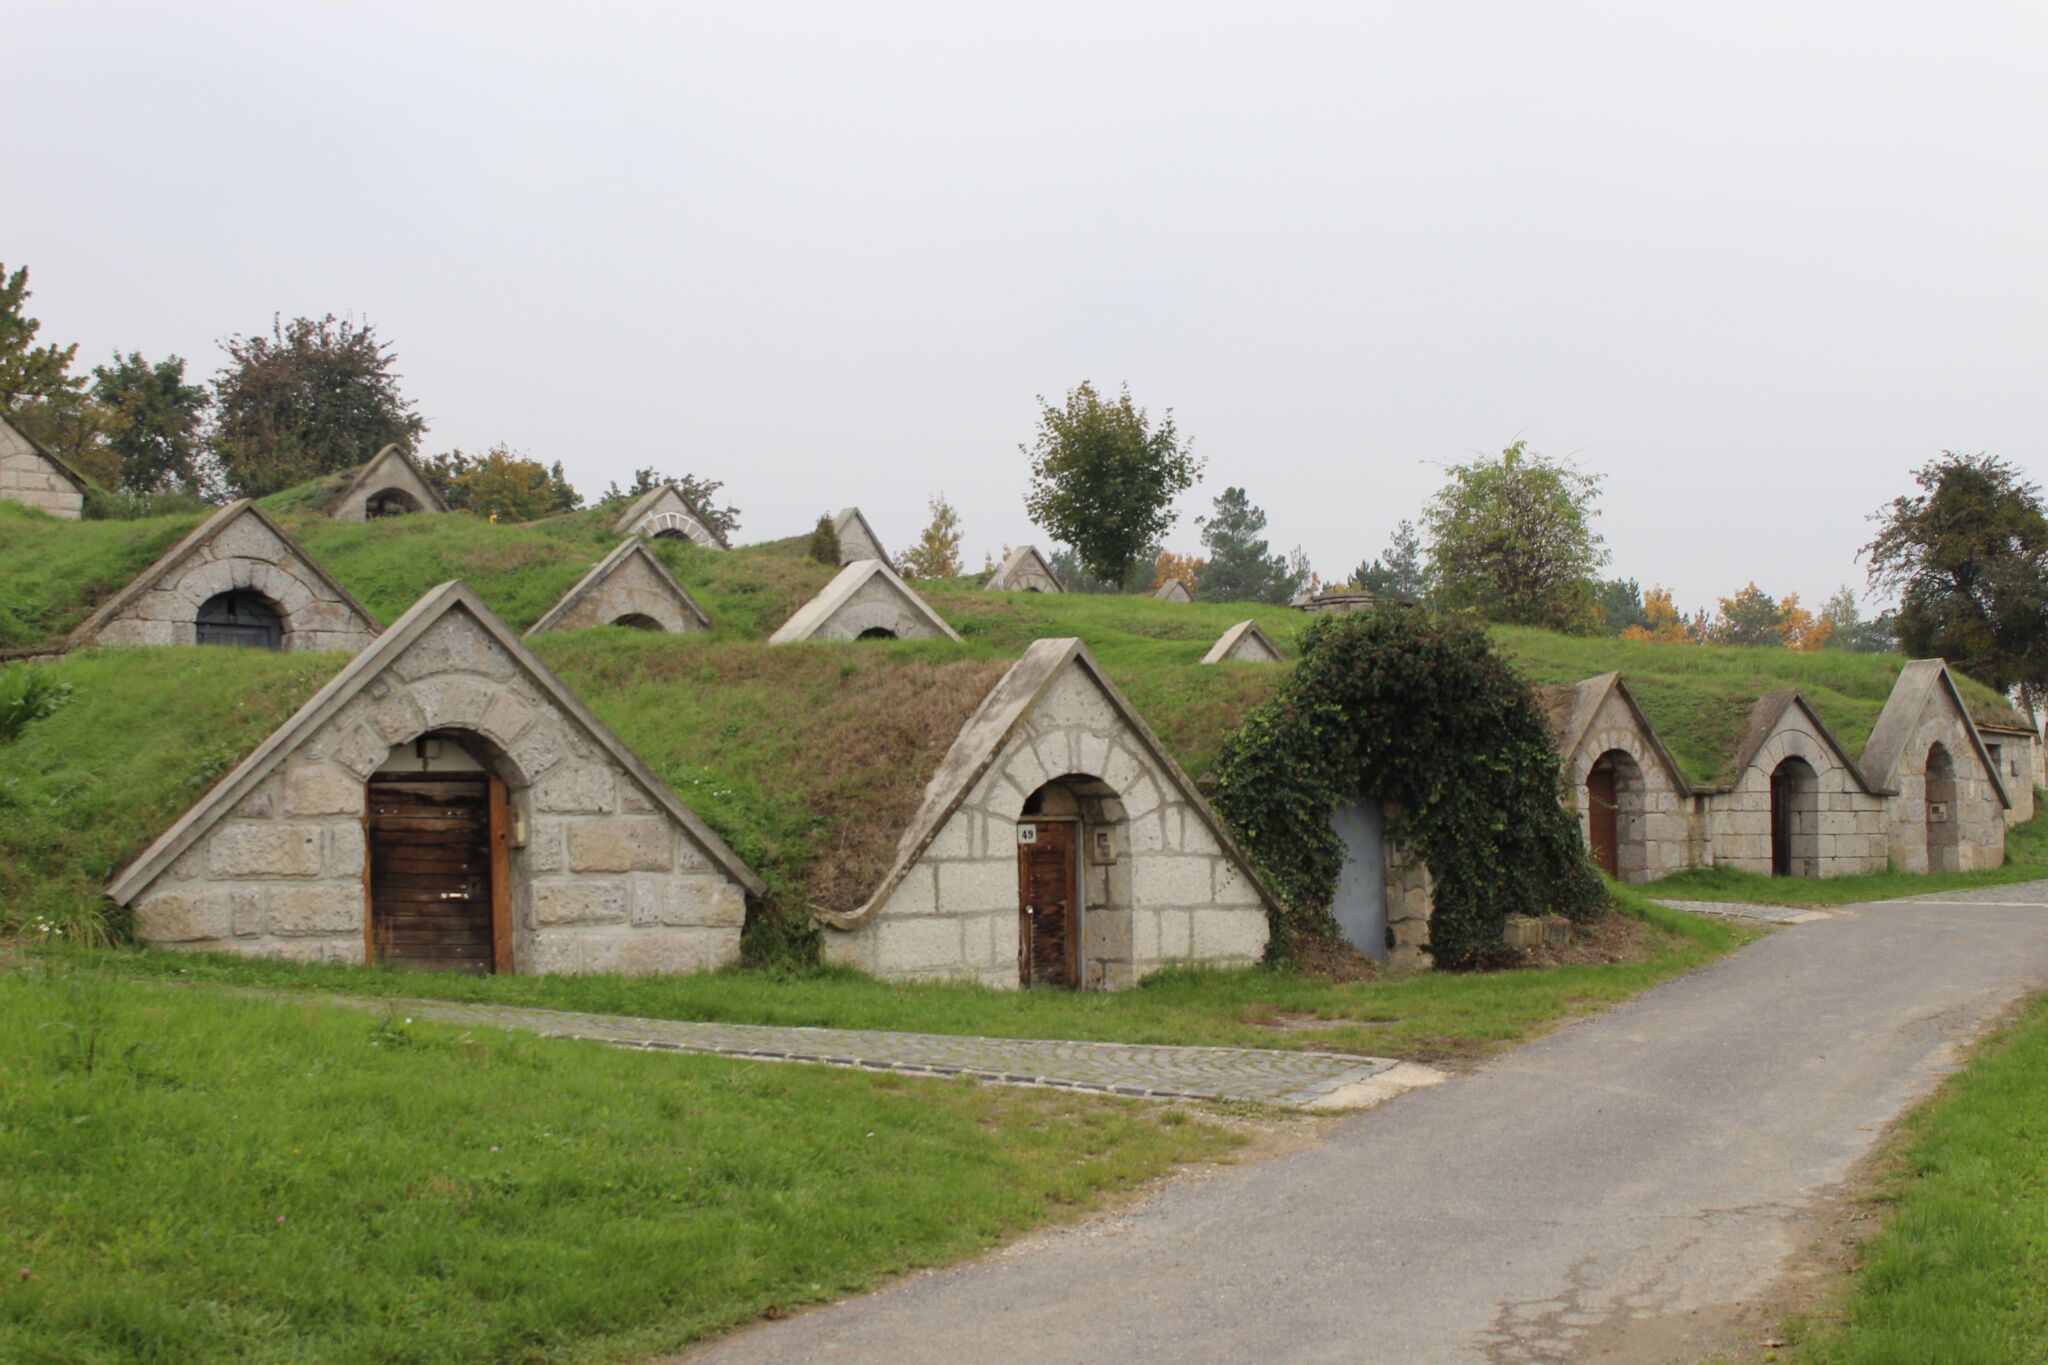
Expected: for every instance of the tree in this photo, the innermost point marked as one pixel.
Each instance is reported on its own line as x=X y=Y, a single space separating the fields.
x=1847 y=630
x=1187 y=568
x=1240 y=567
x=501 y=485
x=1750 y=617
x=1621 y=605
x=1799 y=628
x=699 y=493
x=153 y=421
x=1074 y=575
x=824 y=546
x=1397 y=574
x=38 y=392
x=937 y=552
x=1512 y=540
x=1663 y=624
x=1968 y=557
x=313 y=397
x=1103 y=479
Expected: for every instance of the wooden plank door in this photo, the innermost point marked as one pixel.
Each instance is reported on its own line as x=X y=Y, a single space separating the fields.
x=1603 y=830
x=432 y=888
x=1047 y=951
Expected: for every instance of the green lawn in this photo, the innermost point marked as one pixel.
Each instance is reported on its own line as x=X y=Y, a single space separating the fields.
x=1429 y=1016
x=188 y=1175
x=1960 y=1271
x=2026 y=860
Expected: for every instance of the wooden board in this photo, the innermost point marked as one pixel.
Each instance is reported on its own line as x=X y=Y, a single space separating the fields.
x=432 y=888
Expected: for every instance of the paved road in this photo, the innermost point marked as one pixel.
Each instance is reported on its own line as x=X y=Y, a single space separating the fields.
x=1604 y=1193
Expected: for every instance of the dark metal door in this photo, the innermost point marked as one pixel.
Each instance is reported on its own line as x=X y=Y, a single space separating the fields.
x=1603 y=829
x=240 y=618
x=1782 y=790
x=1046 y=947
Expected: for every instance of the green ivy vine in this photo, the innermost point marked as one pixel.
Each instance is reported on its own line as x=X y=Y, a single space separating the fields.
x=1418 y=712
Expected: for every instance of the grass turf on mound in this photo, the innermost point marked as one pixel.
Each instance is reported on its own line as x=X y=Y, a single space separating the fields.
x=56 y=572
x=199 y=1176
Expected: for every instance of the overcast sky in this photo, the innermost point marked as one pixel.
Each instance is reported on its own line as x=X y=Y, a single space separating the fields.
x=1752 y=264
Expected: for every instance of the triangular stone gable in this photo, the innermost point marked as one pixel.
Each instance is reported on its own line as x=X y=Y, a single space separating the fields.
x=866 y=595
x=1769 y=716
x=1173 y=590
x=1244 y=643
x=857 y=539
x=237 y=548
x=1923 y=684
x=1024 y=569
x=391 y=470
x=603 y=825
x=631 y=581
x=664 y=511
x=35 y=477
x=1056 y=687
x=1590 y=698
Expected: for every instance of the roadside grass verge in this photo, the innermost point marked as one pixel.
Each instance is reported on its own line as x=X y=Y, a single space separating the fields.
x=2026 y=860
x=1424 y=1016
x=189 y=1175
x=1960 y=1272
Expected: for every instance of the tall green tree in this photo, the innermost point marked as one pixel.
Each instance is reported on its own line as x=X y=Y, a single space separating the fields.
x=1074 y=575
x=153 y=424
x=314 y=396
x=1512 y=539
x=1397 y=574
x=1103 y=479
x=701 y=494
x=38 y=392
x=1968 y=557
x=1751 y=617
x=1241 y=568
x=1849 y=631
x=1621 y=606
x=501 y=484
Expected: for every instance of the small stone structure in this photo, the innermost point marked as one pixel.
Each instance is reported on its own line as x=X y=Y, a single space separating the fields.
x=1634 y=804
x=1157 y=878
x=2016 y=752
x=1797 y=806
x=389 y=484
x=1024 y=569
x=866 y=600
x=1337 y=601
x=1244 y=643
x=857 y=539
x=596 y=866
x=237 y=560
x=1948 y=814
x=34 y=477
x=628 y=587
x=1173 y=590
x=665 y=512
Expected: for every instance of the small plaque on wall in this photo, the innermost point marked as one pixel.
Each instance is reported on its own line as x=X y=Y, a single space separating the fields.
x=1027 y=834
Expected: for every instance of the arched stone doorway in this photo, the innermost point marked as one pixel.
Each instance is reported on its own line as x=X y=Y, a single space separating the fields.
x=634 y=620
x=877 y=633
x=438 y=858
x=1941 y=824
x=1614 y=816
x=389 y=502
x=240 y=617
x=1795 y=819
x=1073 y=886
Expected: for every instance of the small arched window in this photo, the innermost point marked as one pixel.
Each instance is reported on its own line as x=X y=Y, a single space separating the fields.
x=878 y=633
x=634 y=620
x=240 y=618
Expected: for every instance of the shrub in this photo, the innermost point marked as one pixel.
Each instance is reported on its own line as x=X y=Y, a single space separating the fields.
x=1419 y=713
x=27 y=695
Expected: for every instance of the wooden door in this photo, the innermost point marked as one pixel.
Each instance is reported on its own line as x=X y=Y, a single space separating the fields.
x=1782 y=790
x=1047 y=953
x=436 y=872
x=1602 y=826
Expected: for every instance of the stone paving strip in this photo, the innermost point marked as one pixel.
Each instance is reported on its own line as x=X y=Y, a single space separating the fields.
x=1773 y=914
x=1298 y=1080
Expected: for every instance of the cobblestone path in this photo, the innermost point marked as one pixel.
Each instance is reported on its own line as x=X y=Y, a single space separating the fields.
x=1262 y=1075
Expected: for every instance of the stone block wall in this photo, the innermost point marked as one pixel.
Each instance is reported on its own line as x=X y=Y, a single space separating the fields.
x=1976 y=812
x=245 y=555
x=1174 y=895
x=875 y=605
x=2019 y=769
x=389 y=474
x=608 y=881
x=1849 y=832
x=1654 y=825
x=27 y=477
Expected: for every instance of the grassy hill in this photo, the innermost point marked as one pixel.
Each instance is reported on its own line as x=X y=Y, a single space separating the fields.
x=807 y=759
